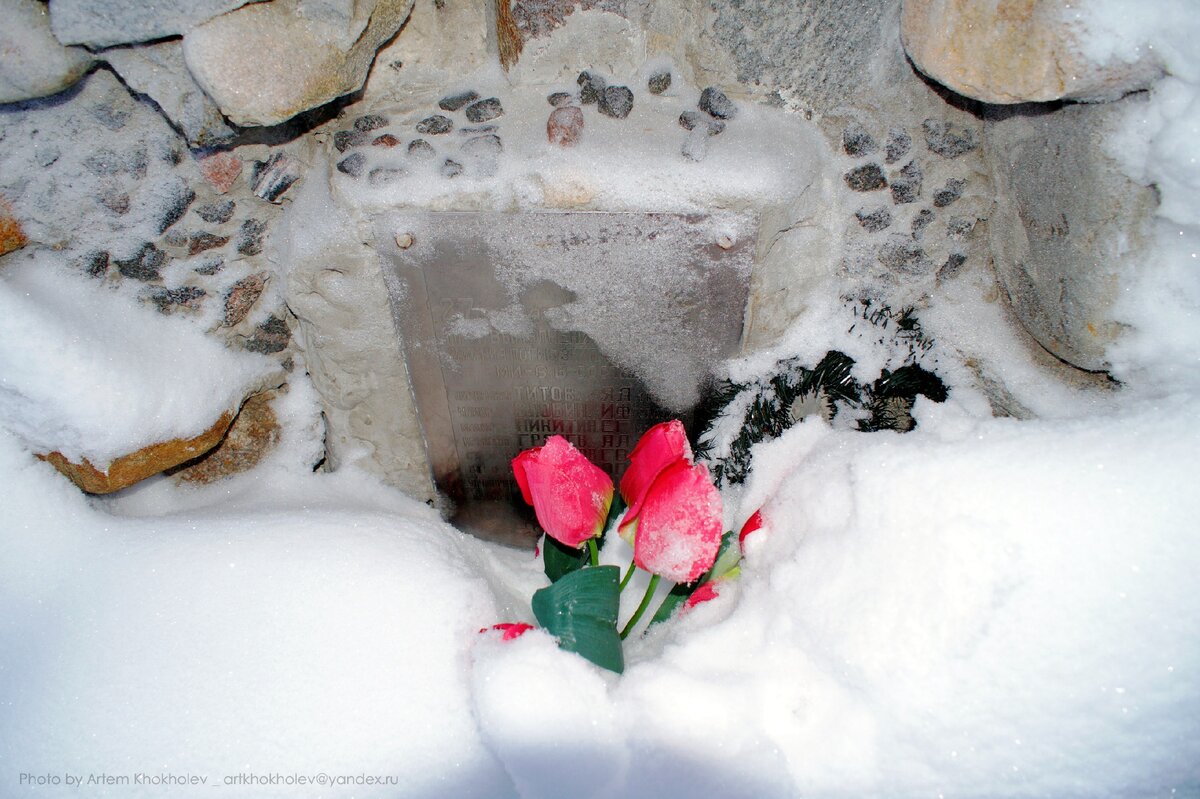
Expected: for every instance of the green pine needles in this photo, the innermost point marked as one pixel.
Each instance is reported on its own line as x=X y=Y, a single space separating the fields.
x=743 y=414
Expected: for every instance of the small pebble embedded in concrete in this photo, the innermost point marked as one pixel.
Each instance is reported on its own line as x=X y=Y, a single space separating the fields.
x=435 y=125
x=590 y=87
x=370 y=122
x=856 y=141
x=419 y=148
x=868 y=177
x=565 y=126
x=659 y=82
x=616 y=102
x=454 y=102
x=484 y=110
x=714 y=103
x=352 y=164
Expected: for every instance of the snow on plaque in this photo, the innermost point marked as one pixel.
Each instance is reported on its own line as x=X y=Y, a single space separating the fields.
x=589 y=325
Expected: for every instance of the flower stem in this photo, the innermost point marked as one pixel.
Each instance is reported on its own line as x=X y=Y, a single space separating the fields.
x=637 y=614
x=593 y=553
x=625 y=579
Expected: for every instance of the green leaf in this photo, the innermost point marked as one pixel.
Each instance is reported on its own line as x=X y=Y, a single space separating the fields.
x=580 y=610
x=728 y=556
x=559 y=559
x=677 y=596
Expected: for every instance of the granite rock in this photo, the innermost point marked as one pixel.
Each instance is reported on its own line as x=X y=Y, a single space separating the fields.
x=454 y=102
x=103 y=23
x=898 y=145
x=565 y=126
x=716 y=104
x=435 y=125
x=1066 y=239
x=369 y=122
x=159 y=72
x=352 y=165
x=254 y=433
x=857 y=142
x=906 y=187
x=591 y=85
x=943 y=139
x=12 y=237
x=216 y=213
x=241 y=297
x=137 y=466
x=868 y=177
x=484 y=110
x=615 y=102
x=220 y=170
x=343 y=140
x=266 y=62
x=34 y=63
x=875 y=220
x=1013 y=51
x=250 y=237
x=144 y=265
x=271 y=178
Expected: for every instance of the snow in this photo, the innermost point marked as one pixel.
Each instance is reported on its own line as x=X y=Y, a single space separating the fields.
x=90 y=373
x=982 y=607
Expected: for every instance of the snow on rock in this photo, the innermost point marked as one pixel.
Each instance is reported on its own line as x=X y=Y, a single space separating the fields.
x=158 y=71
x=101 y=23
x=91 y=374
x=267 y=62
x=34 y=63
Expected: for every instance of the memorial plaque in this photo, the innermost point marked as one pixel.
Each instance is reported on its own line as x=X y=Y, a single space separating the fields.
x=593 y=326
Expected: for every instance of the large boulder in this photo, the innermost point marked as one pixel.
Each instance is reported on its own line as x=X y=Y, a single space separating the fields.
x=1066 y=237
x=267 y=62
x=137 y=466
x=32 y=62
x=1013 y=51
x=159 y=72
x=102 y=23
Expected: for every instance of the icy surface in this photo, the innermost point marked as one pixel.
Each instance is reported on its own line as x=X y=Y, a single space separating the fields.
x=91 y=373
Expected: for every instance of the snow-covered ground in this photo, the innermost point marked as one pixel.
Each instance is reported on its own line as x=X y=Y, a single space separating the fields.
x=983 y=607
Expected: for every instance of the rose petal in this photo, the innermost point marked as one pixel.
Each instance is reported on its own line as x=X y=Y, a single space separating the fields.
x=512 y=629
x=518 y=465
x=679 y=527
x=569 y=494
x=659 y=447
x=752 y=524
x=703 y=593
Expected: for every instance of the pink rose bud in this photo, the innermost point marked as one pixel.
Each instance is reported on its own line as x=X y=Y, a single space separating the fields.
x=679 y=527
x=569 y=494
x=752 y=524
x=659 y=447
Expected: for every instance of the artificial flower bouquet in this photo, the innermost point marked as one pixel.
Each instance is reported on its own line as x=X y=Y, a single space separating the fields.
x=668 y=510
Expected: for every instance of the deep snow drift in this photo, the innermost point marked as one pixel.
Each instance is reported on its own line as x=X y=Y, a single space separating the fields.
x=983 y=607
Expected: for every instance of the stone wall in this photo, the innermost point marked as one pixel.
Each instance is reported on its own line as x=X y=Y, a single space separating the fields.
x=205 y=126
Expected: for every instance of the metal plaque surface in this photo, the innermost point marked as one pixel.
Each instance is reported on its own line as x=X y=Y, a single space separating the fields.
x=589 y=325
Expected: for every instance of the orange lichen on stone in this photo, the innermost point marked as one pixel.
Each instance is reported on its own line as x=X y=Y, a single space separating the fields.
x=12 y=237
x=136 y=466
x=252 y=435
